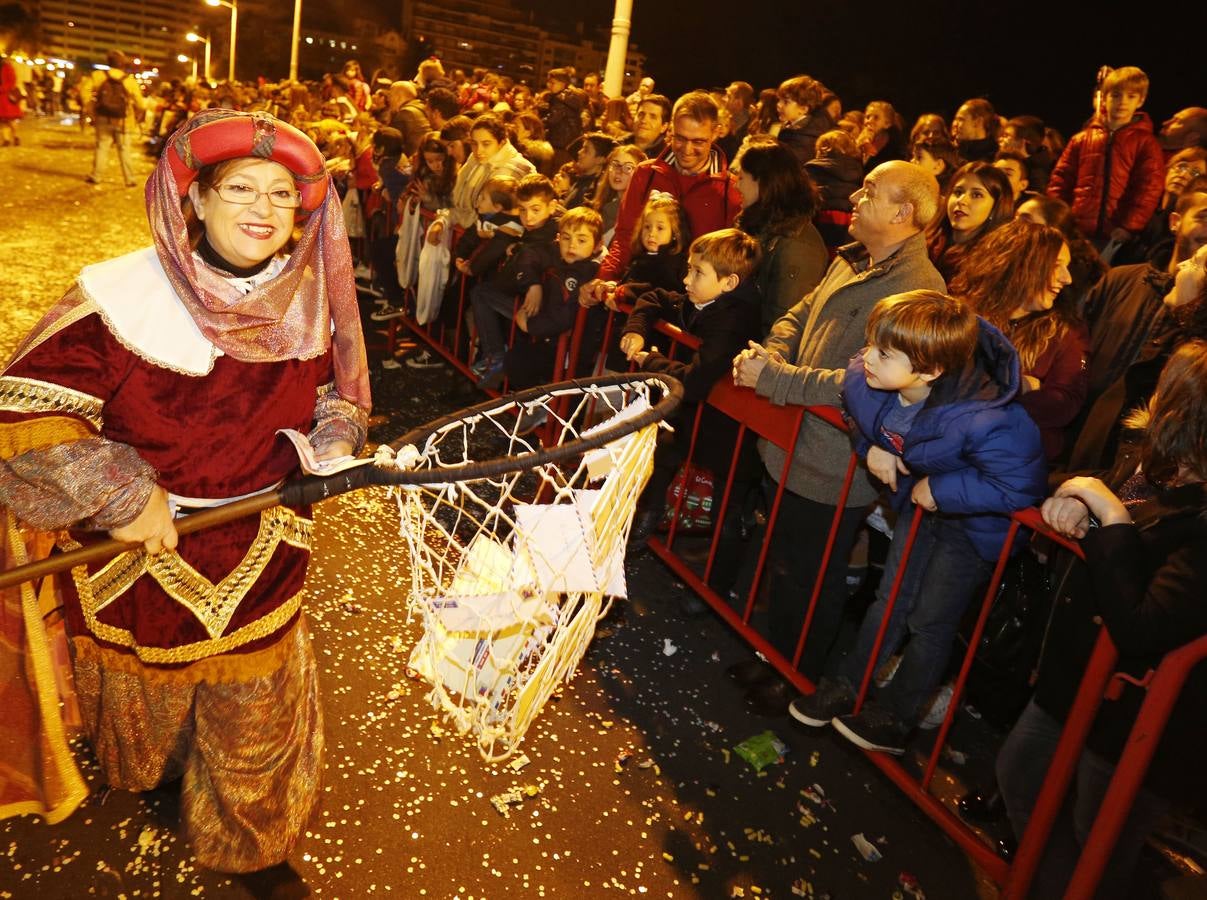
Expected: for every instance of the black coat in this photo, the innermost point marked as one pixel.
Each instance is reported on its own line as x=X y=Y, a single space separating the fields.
x=1147 y=582
x=723 y=328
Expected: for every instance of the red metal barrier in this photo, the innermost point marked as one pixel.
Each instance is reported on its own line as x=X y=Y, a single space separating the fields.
x=781 y=426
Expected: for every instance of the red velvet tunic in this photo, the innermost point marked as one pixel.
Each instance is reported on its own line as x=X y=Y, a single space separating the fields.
x=212 y=436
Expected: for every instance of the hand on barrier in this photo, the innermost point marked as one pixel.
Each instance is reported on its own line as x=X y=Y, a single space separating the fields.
x=885 y=466
x=922 y=496
x=462 y=266
x=594 y=292
x=1098 y=499
x=153 y=526
x=631 y=344
x=748 y=365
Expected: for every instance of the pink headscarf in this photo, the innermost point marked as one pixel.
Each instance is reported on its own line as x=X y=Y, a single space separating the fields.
x=291 y=316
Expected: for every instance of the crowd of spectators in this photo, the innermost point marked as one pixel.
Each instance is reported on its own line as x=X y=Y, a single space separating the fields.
x=782 y=230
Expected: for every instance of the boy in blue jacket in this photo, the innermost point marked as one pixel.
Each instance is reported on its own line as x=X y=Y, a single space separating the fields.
x=932 y=407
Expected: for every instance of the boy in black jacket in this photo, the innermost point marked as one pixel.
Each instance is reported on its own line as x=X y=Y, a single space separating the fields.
x=530 y=362
x=721 y=307
x=520 y=273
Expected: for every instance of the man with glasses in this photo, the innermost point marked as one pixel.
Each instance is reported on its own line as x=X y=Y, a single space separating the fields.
x=1184 y=167
x=690 y=170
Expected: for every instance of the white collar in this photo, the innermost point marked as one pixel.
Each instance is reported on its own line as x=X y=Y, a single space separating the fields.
x=134 y=297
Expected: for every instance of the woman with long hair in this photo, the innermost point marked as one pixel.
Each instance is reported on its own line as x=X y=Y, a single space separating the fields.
x=1143 y=532
x=1086 y=267
x=978 y=201
x=1012 y=279
x=613 y=182
x=778 y=203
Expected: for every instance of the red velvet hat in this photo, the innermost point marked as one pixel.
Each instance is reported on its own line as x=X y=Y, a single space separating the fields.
x=214 y=135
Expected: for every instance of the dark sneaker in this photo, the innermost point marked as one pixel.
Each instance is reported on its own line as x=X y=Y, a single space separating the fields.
x=873 y=729
x=481 y=365
x=833 y=697
x=771 y=697
x=387 y=312
x=492 y=376
x=424 y=359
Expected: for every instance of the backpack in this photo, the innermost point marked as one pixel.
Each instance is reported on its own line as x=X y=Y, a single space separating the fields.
x=111 y=99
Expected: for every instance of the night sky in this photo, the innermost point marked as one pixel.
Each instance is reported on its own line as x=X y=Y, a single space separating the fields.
x=924 y=55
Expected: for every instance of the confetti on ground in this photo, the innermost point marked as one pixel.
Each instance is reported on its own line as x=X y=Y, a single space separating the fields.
x=669 y=648
x=866 y=848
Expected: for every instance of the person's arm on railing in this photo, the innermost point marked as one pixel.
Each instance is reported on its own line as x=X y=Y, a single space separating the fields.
x=1146 y=614
x=1006 y=471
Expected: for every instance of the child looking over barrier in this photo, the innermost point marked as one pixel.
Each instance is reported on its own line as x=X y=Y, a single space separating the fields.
x=721 y=307
x=931 y=404
x=532 y=360
x=520 y=273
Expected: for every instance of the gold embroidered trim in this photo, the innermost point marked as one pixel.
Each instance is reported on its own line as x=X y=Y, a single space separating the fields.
x=209 y=650
x=213 y=670
x=28 y=395
x=82 y=308
x=213 y=605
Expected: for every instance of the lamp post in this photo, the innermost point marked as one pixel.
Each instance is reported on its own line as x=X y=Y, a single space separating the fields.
x=184 y=59
x=622 y=21
x=297 y=31
x=234 y=8
x=194 y=37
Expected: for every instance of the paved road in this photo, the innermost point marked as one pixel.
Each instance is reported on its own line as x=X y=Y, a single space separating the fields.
x=406 y=809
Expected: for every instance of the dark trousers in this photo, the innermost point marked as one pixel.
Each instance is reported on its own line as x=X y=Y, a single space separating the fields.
x=793 y=562
x=1022 y=764
x=942 y=577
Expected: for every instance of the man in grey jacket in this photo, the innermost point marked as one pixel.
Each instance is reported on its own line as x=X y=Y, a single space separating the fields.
x=803 y=361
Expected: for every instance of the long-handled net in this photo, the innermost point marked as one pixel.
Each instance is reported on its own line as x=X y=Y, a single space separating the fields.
x=510 y=570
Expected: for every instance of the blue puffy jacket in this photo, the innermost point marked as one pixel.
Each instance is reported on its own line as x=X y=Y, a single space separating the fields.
x=977 y=445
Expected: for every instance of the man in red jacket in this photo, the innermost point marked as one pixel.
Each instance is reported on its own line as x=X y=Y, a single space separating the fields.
x=1112 y=174
x=690 y=170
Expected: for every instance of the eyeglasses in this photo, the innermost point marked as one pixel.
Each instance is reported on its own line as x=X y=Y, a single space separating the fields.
x=626 y=168
x=246 y=195
x=1187 y=168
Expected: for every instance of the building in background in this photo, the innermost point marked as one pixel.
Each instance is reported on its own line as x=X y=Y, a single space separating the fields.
x=500 y=36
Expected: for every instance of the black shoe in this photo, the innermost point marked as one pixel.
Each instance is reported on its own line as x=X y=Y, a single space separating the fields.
x=750 y=672
x=833 y=697
x=873 y=729
x=771 y=698
x=643 y=526
x=982 y=808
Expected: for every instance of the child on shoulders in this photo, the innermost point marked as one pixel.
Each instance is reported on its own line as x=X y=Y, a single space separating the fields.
x=932 y=404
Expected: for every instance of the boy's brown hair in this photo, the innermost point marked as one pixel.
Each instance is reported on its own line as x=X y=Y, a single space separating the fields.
x=1126 y=77
x=836 y=142
x=729 y=251
x=502 y=191
x=582 y=217
x=535 y=185
x=937 y=332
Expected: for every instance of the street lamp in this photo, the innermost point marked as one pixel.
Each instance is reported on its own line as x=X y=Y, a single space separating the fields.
x=184 y=59
x=234 y=8
x=297 y=30
x=194 y=37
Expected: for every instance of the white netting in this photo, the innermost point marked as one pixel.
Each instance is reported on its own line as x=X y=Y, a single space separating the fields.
x=510 y=573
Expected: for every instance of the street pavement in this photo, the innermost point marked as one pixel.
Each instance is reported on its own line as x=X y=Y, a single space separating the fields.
x=635 y=786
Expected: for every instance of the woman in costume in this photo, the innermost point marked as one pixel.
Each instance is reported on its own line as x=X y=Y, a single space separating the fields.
x=157 y=385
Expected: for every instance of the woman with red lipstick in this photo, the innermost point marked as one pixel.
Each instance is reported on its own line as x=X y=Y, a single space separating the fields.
x=1012 y=278
x=978 y=200
x=158 y=384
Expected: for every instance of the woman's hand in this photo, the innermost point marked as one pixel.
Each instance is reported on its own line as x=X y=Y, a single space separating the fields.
x=434 y=232
x=1098 y=499
x=1067 y=516
x=153 y=526
x=1029 y=383
x=885 y=466
x=592 y=293
x=335 y=450
x=631 y=344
